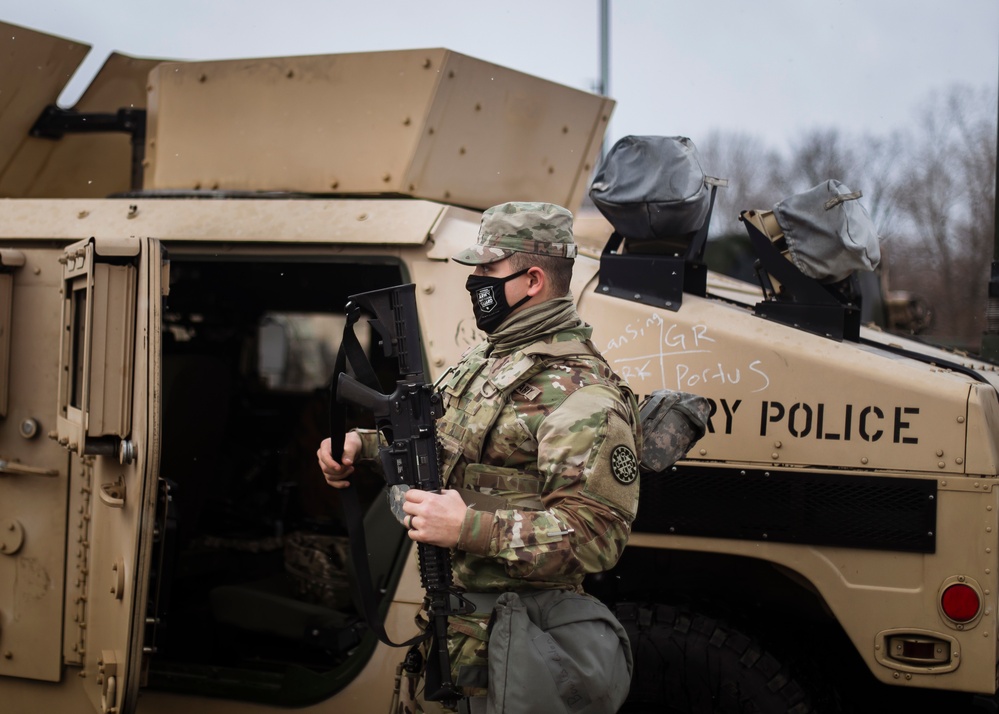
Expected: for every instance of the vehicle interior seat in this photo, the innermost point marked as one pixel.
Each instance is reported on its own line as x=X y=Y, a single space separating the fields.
x=271 y=605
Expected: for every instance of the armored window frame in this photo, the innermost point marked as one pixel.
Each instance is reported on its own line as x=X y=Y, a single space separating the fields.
x=96 y=347
x=9 y=261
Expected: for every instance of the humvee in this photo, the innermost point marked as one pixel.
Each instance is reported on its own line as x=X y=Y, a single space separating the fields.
x=175 y=256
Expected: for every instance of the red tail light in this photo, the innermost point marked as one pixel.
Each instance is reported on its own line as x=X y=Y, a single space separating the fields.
x=960 y=602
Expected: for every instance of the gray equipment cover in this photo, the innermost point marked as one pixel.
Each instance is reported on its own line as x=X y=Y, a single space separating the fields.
x=828 y=232
x=652 y=188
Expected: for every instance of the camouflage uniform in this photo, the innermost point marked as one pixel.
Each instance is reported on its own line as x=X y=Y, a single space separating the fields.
x=536 y=417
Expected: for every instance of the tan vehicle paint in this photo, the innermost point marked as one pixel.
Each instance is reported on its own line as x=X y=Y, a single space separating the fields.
x=348 y=172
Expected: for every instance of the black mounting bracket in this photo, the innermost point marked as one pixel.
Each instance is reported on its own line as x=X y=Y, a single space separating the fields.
x=656 y=279
x=55 y=122
x=801 y=302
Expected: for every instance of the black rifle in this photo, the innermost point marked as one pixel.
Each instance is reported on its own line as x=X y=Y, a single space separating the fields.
x=406 y=418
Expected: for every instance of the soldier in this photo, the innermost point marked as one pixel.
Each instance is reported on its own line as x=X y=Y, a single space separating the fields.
x=535 y=417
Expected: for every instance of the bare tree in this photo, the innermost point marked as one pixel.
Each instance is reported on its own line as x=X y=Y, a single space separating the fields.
x=945 y=198
x=750 y=168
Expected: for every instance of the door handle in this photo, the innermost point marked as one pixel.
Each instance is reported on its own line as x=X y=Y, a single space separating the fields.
x=13 y=468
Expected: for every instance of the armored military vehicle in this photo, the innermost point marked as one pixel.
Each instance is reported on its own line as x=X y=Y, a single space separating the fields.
x=175 y=256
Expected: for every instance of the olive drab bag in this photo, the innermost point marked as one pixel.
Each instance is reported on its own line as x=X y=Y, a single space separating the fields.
x=556 y=651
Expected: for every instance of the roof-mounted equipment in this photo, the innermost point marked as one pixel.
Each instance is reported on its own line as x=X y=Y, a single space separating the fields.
x=809 y=248
x=655 y=194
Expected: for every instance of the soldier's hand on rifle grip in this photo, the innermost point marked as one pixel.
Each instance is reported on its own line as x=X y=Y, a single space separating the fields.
x=434 y=518
x=336 y=473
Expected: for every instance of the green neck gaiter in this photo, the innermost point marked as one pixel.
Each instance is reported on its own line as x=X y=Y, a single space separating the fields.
x=530 y=325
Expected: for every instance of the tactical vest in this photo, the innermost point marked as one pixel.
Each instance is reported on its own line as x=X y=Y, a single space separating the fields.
x=475 y=394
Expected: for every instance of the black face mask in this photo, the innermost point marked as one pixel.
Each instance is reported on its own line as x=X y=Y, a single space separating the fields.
x=489 y=300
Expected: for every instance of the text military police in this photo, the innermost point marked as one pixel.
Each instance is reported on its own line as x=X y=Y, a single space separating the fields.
x=534 y=416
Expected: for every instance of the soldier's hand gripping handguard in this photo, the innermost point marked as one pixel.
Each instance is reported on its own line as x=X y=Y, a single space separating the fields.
x=406 y=418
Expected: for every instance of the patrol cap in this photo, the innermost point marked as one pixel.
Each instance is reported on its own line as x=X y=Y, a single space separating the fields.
x=540 y=228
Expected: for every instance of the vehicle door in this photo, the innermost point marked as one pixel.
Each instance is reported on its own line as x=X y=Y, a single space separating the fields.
x=79 y=364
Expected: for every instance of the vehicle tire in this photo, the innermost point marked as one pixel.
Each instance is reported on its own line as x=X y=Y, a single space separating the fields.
x=688 y=662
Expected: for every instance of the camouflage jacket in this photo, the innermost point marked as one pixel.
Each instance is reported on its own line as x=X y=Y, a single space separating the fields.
x=550 y=428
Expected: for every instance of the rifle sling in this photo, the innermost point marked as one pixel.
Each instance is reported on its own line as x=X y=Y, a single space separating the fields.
x=359 y=554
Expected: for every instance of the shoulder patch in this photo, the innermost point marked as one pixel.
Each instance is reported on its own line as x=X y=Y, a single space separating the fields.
x=624 y=464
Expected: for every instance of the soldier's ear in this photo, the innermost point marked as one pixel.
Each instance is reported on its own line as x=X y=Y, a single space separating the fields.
x=536 y=280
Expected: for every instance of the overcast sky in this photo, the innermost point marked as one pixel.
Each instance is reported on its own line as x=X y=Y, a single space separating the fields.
x=770 y=68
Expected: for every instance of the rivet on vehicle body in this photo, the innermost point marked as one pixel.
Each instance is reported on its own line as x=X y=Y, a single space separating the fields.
x=362 y=217
x=426 y=63
x=941 y=464
x=960 y=420
x=203 y=78
x=439 y=362
x=703 y=452
x=939 y=452
x=896 y=675
x=8 y=654
x=777 y=444
x=461 y=150
x=334 y=184
x=863 y=459
x=775 y=456
x=908 y=676
x=959 y=461
x=291 y=73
